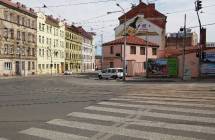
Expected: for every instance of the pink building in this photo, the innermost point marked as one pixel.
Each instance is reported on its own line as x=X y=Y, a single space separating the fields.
x=135 y=55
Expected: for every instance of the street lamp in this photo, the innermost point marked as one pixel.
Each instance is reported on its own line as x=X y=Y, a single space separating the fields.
x=125 y=38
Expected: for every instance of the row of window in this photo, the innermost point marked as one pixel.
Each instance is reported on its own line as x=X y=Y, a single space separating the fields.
x=72 y=46
x=56 y=54
x=24 y=36
x=20 y=20
x=50 y=30
x=9 y=65
x=133 y=50
x=41 y=40
x=73 y=56
x=8 y=49
x=71 y=36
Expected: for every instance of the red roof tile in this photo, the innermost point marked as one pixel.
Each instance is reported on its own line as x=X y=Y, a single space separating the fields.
x=149 y=11
x=131 y=40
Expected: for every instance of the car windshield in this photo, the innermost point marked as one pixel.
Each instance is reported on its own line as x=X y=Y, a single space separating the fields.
x=120 y=70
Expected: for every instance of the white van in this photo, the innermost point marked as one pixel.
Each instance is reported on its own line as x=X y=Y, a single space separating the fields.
x=111 y=73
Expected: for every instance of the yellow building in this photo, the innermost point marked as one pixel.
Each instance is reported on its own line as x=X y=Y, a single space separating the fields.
x=50 y=45
x=73 y=50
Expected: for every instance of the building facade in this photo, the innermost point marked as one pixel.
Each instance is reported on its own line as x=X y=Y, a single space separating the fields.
x=88 y=51
x=73 y=50
x=136 y=53
x=17 y=39
x=145 y=22
x=51 y=45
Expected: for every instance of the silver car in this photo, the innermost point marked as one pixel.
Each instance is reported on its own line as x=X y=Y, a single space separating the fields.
x=111 y=73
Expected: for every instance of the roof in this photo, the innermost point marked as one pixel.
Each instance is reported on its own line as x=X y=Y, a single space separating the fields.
x=131 y=40
x=72 y=28
x=178 y=52
x=84 y=33
x=148 y=11
x=19 y=7
x=51 y=20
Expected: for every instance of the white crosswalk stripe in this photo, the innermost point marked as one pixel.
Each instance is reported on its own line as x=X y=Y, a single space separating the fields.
x=165 y=103
x=184 y=127
x=134 y=113
x=51 y=135
x=158 y=107
x=117 y=131
x=164 y=98
x=3 y=138
x=152 y=114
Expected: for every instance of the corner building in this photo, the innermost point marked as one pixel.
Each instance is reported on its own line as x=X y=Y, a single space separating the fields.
x=51 y=45
x=17 y=39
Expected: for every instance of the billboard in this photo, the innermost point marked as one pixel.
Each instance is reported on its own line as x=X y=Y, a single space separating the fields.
x=167 y=67
x=208 y=68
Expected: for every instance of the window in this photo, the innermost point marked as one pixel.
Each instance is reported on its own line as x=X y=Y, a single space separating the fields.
x=18 y=35
x=142 y=50
x=111 y=50
x=23 y=36
x=33 y=65
x=111 y=64
x=154 y=51
x=23 y=21
x=6 y=16
x=33 y=51
x=18 y=19
x=28 y=23
x=133 y=50
x=29 y=65
x=11 y=33
x=23 y=65
x=6 y=32
x=39 y=66
x=5 y=49
x=8 y=65
x=40 y=39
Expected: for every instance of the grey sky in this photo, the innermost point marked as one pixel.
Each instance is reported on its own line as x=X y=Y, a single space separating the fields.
x=83 y=14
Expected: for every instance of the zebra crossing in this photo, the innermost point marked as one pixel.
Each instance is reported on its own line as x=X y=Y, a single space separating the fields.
x=135 y=116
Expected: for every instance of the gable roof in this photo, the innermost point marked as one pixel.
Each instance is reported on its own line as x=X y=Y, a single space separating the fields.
x=148 y=11
x=131 y=40
x=19 y=7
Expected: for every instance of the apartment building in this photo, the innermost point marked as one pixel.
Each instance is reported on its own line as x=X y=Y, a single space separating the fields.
x=51 y=45
x=73 y=49
x=17 y=39
x=88 y=51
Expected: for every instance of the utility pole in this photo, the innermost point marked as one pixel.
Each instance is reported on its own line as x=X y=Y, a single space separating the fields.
x=184 y=44
x=102 y=50
x=147 y=53
x=198 y=7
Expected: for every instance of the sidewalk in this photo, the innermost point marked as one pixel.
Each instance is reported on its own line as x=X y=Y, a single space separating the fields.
x=176 y=80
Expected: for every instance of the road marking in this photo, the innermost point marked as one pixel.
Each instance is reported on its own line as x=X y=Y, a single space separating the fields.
x=183 y=127
x=117 y=131
x=51 y=135
x=165 y=98
x=172 y=96
x=165 y=103
x=3 y=139
x=177 y=109
x=153 y=114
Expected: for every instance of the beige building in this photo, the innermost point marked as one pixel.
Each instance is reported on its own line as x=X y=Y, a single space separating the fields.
x=73 y=60
x=17 y=39
x=51 y=45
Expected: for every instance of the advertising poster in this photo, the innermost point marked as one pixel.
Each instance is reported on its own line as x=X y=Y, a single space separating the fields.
x=157 y=67
x=208 y=68
x=163 y=67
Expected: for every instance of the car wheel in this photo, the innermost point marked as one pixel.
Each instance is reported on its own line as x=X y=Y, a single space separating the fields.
x=100 y=77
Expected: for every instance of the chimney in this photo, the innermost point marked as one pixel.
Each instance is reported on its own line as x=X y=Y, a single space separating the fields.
x=18 y=4
x=23 y=6
x=140 y=1
x=151 y=5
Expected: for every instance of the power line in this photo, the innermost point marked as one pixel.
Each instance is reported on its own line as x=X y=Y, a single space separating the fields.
x=209 y=24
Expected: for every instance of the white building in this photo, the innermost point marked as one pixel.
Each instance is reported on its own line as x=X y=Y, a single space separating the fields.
x=51 y=45
x=88 y=51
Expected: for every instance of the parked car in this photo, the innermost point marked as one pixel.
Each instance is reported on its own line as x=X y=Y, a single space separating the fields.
x=67 y=72
x=111 y=73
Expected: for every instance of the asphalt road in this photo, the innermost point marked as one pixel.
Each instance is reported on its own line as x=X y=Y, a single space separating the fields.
x=70 y=108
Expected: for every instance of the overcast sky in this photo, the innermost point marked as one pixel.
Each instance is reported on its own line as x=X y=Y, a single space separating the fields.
x=93 y=17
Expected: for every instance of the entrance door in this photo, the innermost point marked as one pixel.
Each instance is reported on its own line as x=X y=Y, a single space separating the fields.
x=17 y=68
x=58 y=68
